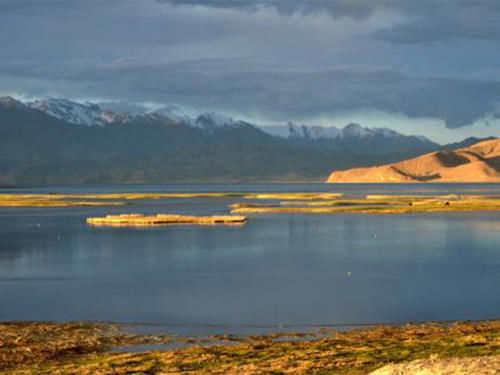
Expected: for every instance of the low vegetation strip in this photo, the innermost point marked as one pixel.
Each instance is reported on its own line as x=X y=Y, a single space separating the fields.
x=47 y=200
x=305 y=196
x=114 y=199
x=85 y=348
x=164 y=219
x=383 y=204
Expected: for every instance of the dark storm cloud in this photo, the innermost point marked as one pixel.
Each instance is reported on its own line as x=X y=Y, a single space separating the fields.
x=277 y=94
x=274 y=60
x=357 y=9
x=426 y=21
x=447 y=20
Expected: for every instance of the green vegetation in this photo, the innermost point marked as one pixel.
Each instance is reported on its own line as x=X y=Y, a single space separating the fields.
x=83 y=348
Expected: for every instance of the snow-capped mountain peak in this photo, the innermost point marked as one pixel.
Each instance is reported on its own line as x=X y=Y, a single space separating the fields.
x=350 y=131
x=87 y=114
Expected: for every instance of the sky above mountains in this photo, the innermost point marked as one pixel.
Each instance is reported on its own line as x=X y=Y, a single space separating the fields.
x=419 y=67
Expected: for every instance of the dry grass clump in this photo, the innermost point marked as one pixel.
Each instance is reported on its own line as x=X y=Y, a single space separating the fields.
x=164 y=219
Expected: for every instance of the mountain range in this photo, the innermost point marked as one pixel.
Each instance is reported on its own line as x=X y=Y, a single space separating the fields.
x=59 y=140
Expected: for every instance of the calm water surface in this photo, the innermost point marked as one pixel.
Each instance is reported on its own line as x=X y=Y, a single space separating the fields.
x=279 y=269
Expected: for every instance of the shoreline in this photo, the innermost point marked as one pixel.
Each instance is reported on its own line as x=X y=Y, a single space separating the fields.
x=108 y=348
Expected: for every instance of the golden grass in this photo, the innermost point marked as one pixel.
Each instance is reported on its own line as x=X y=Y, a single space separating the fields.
x=247 y=205
x=132 y=196
x=293 y=195
x=290 y=202
x=48 y=200
x=327 y=203
x=164 y=219
x=383 y=204
x=80 y=349
x=116 y=199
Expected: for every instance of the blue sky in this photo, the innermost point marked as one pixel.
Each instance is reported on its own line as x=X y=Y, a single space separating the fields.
x=420 y=67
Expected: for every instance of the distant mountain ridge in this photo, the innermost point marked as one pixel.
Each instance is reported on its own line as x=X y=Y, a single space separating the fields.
x=323 y=139
x=87 y=114
x=466 y=143
x=91 y=114
x=477 y=163
x=353 y=138
x=331 y=132
x=57 y=140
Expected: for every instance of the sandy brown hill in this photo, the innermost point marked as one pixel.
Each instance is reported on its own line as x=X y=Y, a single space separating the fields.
x=477 y=163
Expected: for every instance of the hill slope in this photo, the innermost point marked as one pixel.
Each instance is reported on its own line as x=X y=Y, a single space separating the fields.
x=477 y=163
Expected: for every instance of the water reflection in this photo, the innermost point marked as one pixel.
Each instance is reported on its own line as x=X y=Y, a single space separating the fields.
x=278 y=269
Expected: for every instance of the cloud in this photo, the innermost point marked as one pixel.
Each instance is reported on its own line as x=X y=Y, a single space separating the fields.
x=275 y=60
x=357 y=9
x=423 y=21
x=446 y=21
x=247 y=88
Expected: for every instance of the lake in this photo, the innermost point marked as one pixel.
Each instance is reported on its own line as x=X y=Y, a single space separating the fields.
x=296 y=270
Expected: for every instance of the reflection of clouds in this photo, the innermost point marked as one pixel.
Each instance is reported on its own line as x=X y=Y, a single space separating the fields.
x=486 y=234
x=490 y=225
x=276 y=269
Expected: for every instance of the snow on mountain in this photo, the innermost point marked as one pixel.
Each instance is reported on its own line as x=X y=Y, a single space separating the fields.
x=105 y=113
x=87 y=114
x=351 y=130
x=90 y=114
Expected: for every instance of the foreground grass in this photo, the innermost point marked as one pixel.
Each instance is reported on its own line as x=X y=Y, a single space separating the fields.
x=81 y=348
